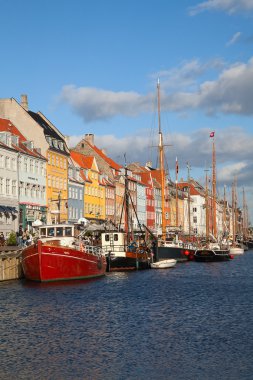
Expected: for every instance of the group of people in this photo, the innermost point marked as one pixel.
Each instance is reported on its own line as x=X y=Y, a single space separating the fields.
x=24 y=238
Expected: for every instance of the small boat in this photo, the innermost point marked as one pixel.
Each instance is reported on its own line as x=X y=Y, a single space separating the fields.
x=236 y=250
x=60 y=253
x=208 y=254
x=164 y=264
x=122 y=250
x=122 y=255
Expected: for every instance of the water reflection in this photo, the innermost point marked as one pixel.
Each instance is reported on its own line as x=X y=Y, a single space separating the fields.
x=190 y=322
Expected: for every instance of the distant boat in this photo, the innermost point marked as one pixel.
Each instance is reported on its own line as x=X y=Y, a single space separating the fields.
x=163 y=249
x=205 y=254
x=124 y=252
x=211 y=251
x=122 y=255
x=236 y=250
x=59 y=255
x=164 y=264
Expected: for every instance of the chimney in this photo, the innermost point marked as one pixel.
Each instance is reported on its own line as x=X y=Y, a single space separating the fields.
x=103 y=151
x=24 y=102
x=149 y=164
x=89 y=137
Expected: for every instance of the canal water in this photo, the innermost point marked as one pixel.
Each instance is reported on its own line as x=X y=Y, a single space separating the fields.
x=194 y=321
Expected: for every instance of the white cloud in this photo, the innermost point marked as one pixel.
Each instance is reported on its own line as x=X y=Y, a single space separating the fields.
x=234 y=39
x=227 y=173
x=229 y=6
x=187 y=73
x=230 y=93
x=96 y=104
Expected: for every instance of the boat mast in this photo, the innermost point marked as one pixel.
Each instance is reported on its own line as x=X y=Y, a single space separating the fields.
x=207 y=209
x=224 y=212
x=189 y=199
x=176 y=193
x=127 y=229
x=161 y=161
x=233 y=212
x=245 y=216
x=214 y=191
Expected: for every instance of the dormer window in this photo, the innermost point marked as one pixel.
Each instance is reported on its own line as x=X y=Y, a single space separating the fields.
x=55 y=143
x=49 y=140
x=61 y=145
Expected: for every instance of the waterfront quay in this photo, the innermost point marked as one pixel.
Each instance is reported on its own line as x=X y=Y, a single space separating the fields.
x=10 y=263
x=190 y=322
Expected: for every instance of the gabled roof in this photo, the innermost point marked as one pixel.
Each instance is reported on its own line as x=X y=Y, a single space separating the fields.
x=7 y=126
x=193 y=189
x=147 y=179
x=86 y=162
x=107 y=159
x=48 y=130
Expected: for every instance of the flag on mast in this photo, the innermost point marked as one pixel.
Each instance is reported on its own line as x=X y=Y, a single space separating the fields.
x=176 y=169
x=212 y=134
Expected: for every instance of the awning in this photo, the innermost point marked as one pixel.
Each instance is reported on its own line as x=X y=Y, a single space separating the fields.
x=9 y=209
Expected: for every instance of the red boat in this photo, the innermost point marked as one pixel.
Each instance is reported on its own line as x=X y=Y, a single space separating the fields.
x=59 y=255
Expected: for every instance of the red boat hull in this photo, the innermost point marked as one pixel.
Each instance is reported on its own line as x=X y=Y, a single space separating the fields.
x=49 y=262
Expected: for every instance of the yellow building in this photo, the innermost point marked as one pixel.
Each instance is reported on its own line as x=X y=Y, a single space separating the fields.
x=57 y=170
x=94 y=192
x=57 y=186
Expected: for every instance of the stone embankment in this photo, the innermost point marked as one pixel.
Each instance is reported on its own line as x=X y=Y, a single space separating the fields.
x=10 y=263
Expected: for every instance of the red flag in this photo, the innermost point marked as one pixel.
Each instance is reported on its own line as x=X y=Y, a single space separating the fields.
x=212 y=134
x=176 y=166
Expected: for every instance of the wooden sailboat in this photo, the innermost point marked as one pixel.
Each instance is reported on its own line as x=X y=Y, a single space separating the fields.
x=122 y=251
x=164 y=251
x=211 y=251
x=247 y=240
x=236 y=248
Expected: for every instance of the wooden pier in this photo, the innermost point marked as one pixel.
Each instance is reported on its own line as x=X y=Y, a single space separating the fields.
x=10 y=263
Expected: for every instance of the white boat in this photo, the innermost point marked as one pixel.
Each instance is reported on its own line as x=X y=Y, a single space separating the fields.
x=163 y=264
x=236 y=250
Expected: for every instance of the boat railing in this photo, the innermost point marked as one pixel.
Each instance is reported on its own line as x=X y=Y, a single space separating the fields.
x=93 y=250
x=114 y=248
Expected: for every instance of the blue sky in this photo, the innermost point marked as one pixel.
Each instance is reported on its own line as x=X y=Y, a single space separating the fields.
x=92 y=67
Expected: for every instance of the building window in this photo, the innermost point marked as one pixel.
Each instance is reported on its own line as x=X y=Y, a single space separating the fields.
x=1 y=161
x=8 y=189
x=25 y=165
x=1 y=186
x=36 y=167
x=13 y=164
x=194 y=219
x=194 y=209
x=14 y=188
x=7 y=163
x=31 y=166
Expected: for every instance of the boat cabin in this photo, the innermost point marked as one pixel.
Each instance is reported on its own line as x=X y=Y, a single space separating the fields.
x=57 y=230
x=113 y=241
